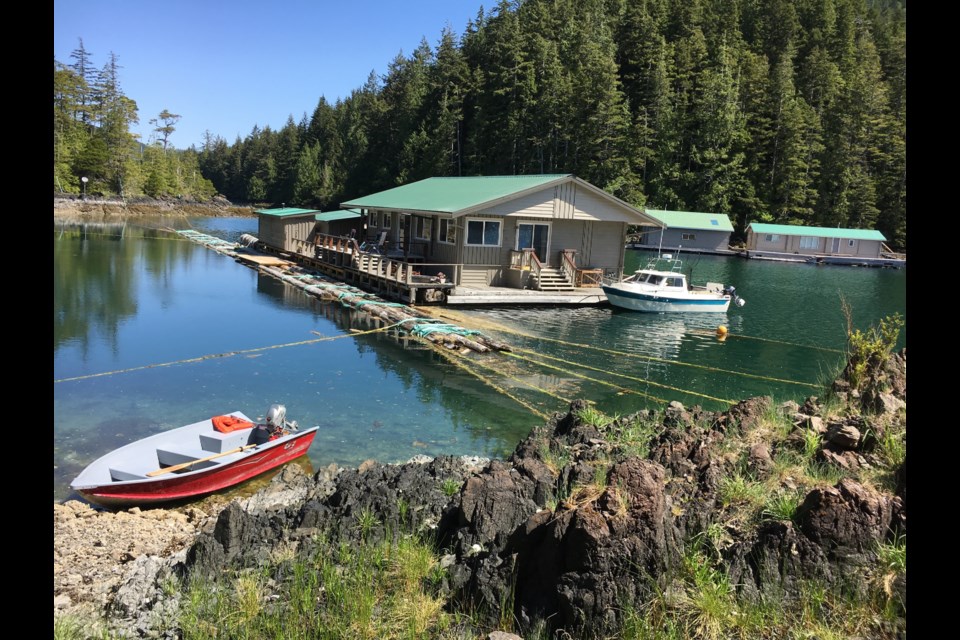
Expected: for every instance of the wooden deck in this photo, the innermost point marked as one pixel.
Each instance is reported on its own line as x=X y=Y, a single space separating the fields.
x=509 y=296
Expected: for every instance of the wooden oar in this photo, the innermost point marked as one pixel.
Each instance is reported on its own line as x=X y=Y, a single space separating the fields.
x=184 y=465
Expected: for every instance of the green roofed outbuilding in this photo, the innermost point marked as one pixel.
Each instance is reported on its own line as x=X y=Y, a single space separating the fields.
x=801 y=242
x=687 y=231
x=286 y=228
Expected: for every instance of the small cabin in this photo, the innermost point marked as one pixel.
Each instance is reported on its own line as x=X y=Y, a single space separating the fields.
x=285 y=228
x=687 y=231
x=772 y=239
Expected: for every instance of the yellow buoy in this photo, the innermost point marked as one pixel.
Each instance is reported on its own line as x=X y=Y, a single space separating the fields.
x=721 y=331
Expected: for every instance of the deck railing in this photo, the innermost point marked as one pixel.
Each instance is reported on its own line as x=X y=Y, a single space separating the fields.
x=578 y=276
x=346 y=252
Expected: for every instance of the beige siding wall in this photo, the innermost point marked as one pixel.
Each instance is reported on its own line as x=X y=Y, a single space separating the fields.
x=590 y=206
x=280 y=233
x=296 y=229
x=869 y=248
x=566 y=234
x=607 y=246
x=758 y=242
x=480 y=275
x=533 y=205
x=565 y=201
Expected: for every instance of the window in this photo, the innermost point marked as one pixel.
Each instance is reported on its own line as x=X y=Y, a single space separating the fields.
x=809 y=242
x=483 y=233
x=674 y=282
x=772 y=237
x=375 y=220
x=448 y=232
x=422 y=228
x=688 y=236
x=851 y=243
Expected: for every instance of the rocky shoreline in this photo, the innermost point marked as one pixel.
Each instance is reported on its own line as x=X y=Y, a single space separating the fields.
x=589 y=517
x=115 y=209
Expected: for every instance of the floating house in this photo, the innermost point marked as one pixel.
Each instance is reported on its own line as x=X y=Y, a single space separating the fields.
x=539 y=239
x=795 y=243
x=547 y=232
x=686 y=231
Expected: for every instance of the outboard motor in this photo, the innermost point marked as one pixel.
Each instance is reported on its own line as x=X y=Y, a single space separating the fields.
x=732 y=292
x=248 y=240
x=277 y=417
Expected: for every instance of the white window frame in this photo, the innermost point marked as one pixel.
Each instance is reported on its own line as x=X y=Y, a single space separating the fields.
x=484 y=222
x=772 y=237
x=374 y=219
x=809 y=242
x=851 y=243
x=422 y=227
x=447 y=231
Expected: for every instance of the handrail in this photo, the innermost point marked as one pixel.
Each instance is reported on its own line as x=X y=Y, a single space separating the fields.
x=535 y=265
x=568 y=264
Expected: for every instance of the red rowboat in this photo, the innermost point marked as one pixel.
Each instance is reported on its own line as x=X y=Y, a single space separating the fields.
x=193 y=460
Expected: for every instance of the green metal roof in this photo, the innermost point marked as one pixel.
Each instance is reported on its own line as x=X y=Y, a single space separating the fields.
x=823 y=232
x=330 y=216
x=452 y=195
x=285 y=212
x=692 y=220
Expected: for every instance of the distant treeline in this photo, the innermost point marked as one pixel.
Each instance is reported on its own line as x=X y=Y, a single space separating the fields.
x=788 y=111
x=92 y=139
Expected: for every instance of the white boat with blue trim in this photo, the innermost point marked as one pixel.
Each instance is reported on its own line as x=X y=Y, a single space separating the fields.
x=662 y=287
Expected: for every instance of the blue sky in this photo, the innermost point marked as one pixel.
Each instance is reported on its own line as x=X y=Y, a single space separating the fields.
x=226 y=66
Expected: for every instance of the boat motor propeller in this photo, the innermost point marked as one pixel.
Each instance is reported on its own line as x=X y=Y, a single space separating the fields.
x=732 y=292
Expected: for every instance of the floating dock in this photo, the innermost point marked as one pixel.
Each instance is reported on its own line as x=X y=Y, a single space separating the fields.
x=405 y=318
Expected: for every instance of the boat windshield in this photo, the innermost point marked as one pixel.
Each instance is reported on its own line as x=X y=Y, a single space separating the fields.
x=674 y=282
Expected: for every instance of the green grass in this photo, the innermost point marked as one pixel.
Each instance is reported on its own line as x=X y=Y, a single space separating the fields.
x=892 y=446
x=592 y=416
x=71 y=627
x=450 y=486
x=782 y=506
x=383 y=590
x=633 y=437
x=741 y=489
x=893 y=555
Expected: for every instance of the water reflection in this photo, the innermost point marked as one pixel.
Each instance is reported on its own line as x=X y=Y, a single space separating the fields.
x=129 y=299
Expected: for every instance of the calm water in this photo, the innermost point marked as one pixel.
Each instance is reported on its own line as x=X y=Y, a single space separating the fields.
x=133 y=303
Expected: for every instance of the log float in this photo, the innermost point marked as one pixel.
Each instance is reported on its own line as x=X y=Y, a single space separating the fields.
x=406 y=318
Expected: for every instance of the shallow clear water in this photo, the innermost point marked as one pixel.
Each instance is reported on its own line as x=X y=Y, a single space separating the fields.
x=182 y=333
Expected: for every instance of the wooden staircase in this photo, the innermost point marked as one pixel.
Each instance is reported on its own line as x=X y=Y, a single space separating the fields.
x=553 y=280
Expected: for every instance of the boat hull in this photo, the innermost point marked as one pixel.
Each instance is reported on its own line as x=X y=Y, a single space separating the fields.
x=173 y=486
x=633 y=300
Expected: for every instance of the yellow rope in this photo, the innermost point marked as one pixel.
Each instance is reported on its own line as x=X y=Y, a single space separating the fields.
x=619 y=375
x=523 y=382
x=223 y=355
x=588 y=378
x=488 y=382
x=496 y=326
x=789 y=344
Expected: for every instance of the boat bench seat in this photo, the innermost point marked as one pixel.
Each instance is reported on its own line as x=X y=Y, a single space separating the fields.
x=169 y=456
x=216 y=442
x=118 y=475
